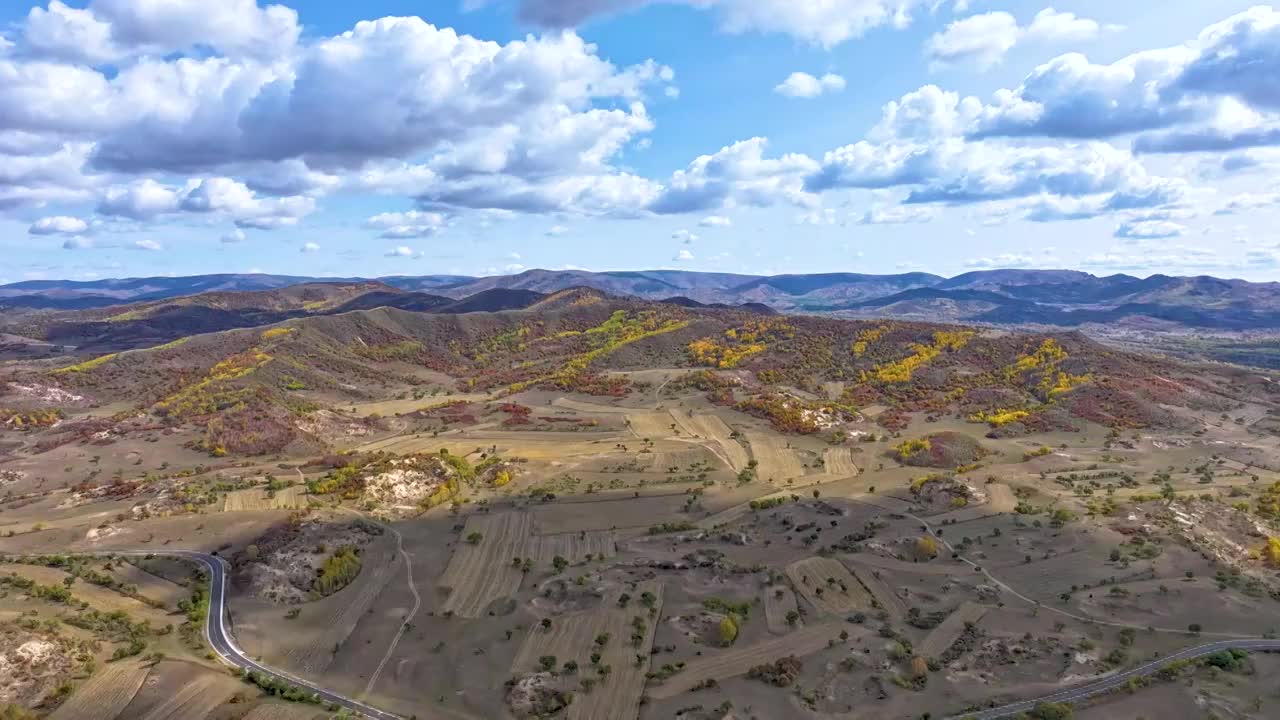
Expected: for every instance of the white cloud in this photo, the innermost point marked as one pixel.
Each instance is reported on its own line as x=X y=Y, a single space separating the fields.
x=737 y=174
x=556 y=231
x=983 y=40
x=683 y=256
x=411 y=224
x=58 y=225
x=235 y=236
x=821 y=22
x=804 y=85
x=112 y=30
x=403 y=251
x=1051 y=25
x=310 y=247
x=1150 y=229
x=684 y=236
x=151 y=245
x=77 y=243
x=715 y=221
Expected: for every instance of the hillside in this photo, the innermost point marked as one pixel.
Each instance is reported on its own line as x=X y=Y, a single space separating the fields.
x=261 y=383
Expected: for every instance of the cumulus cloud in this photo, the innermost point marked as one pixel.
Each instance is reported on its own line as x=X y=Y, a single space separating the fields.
x=555 y=231
x=309 y=247
x=983 y=40
x=715 y=221
x=737 y=174
x=58 y=225
x=683 y=256
x=411 y=224
x=821 y=22
x=684 y=236
x=1150 y=229
x=235 y=236
x=150 y=245
x=112 y=30
x=804 y=85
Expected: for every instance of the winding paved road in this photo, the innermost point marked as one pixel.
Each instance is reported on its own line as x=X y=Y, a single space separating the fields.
x=224 y=644
x=1118 y=680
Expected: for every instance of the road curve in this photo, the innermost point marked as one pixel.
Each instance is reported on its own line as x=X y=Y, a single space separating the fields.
x=1118 y=680
x=222 y=642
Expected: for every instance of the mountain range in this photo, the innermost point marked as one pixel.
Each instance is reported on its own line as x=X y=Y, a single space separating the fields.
x=1007 y=297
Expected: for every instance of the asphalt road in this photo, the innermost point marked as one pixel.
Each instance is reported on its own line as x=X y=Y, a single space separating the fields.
x=1119 y=679
x=222 y=642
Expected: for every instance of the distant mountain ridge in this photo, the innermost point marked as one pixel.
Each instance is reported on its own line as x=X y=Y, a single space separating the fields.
x=1009 y=297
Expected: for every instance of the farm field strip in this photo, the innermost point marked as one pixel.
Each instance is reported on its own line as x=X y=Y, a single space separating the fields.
x=740 y=659
x=572 y=637
x=839 y=462
x=775 y=461
x=1000 y=498
x=575 y=546
x=941 y=637
x=190 y=698
x=651 y=425
x=106 y=694
x=880 y=591
x=778 y=601
x=590 y=407
x=152 y=587
x=828 y=585
x=294 y=496
x=481 y=573
x=712 y=429
x=97 y=596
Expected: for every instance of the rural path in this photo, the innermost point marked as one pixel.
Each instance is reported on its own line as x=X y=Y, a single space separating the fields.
x=225 y=647
x=408 y=619
x=413 y=590
x=1118 y=680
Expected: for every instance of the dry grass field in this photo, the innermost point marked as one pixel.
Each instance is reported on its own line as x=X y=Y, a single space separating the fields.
x=776 y=463
x=616 y=696
x=828 y=585
x=106 y=694
x=480 y=573
x=574 y=546
x=177 y=690
x=712 y=429
x=294 y=496
x=839 y=462
x=651 y=425
x=156 y=589
x=740 y=659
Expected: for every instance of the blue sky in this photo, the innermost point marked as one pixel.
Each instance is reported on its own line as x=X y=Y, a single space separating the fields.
x=757 y=136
